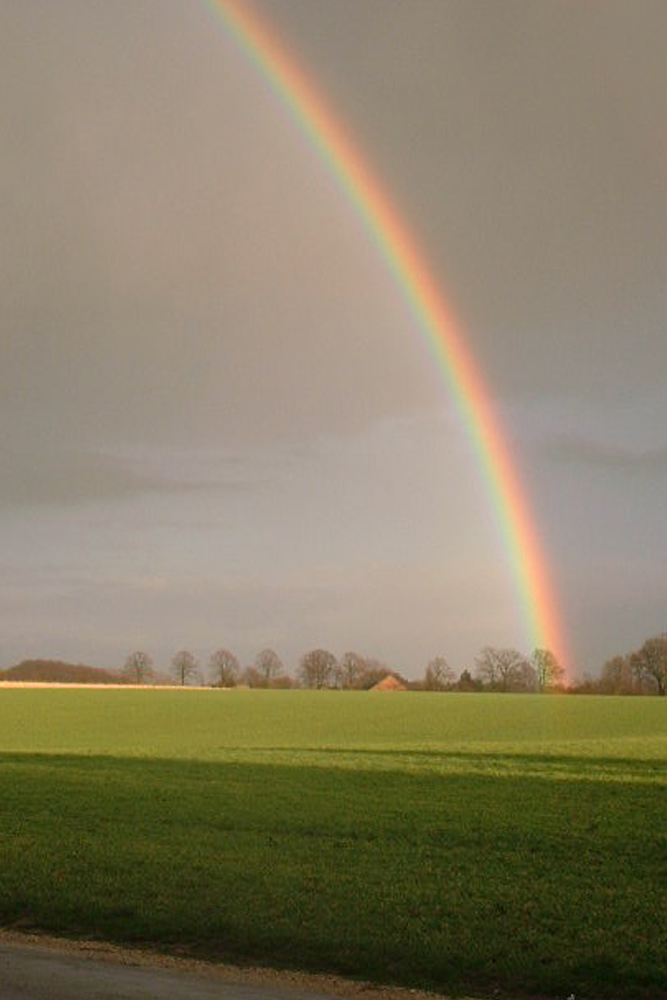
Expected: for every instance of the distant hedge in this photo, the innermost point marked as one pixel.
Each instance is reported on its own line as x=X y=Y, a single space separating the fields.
x=58 y=672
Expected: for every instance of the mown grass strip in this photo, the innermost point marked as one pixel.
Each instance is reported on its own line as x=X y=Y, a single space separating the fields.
x=211 y=725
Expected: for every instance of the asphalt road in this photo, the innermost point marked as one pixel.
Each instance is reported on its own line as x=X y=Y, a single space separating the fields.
x=30 y=972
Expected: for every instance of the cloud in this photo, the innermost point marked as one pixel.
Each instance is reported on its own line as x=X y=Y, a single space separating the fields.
x=32 y=478
x=583 y=451
x=62 y=478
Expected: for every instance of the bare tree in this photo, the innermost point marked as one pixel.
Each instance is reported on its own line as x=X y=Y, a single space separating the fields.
x=499 y=669
x=252 y=678
x=466 y=682
x=224 y=667
x=184 y=666
x=317 y=668
x=549 y=672
x=439 y=675
x=269 y=666
x=651 y=662
x=524 y=678
x=618 y=677
x=642 y=683
x=350 y=671
x=138 y=668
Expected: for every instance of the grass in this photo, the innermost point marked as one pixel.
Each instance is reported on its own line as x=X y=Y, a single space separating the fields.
x=464 y=843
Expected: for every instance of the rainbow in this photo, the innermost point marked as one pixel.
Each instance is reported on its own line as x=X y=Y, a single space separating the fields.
x=446 y=341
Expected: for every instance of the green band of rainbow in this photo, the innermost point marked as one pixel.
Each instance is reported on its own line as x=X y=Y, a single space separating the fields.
x=434 y=318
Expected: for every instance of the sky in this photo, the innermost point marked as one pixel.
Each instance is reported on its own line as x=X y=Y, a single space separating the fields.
x=219 y=422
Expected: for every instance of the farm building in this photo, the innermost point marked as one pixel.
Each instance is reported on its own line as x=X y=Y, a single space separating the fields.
x=389 y=683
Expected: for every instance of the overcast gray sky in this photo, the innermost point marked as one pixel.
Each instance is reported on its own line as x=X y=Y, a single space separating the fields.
x=218 y=422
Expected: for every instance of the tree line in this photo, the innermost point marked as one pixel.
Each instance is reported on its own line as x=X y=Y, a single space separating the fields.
x=643 y=671
x=504 y=670
x=495 y=670
x=640 y=672
x=317 y=668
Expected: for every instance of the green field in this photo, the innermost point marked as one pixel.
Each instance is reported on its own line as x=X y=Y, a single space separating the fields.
x=474 y=843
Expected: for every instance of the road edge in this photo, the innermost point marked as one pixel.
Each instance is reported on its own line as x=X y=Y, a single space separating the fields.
x=107 y=951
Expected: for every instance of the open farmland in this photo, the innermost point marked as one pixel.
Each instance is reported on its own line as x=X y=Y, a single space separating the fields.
x=460 y=842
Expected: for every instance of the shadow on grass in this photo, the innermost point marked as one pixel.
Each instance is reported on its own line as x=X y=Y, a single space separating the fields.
x=455 y=881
